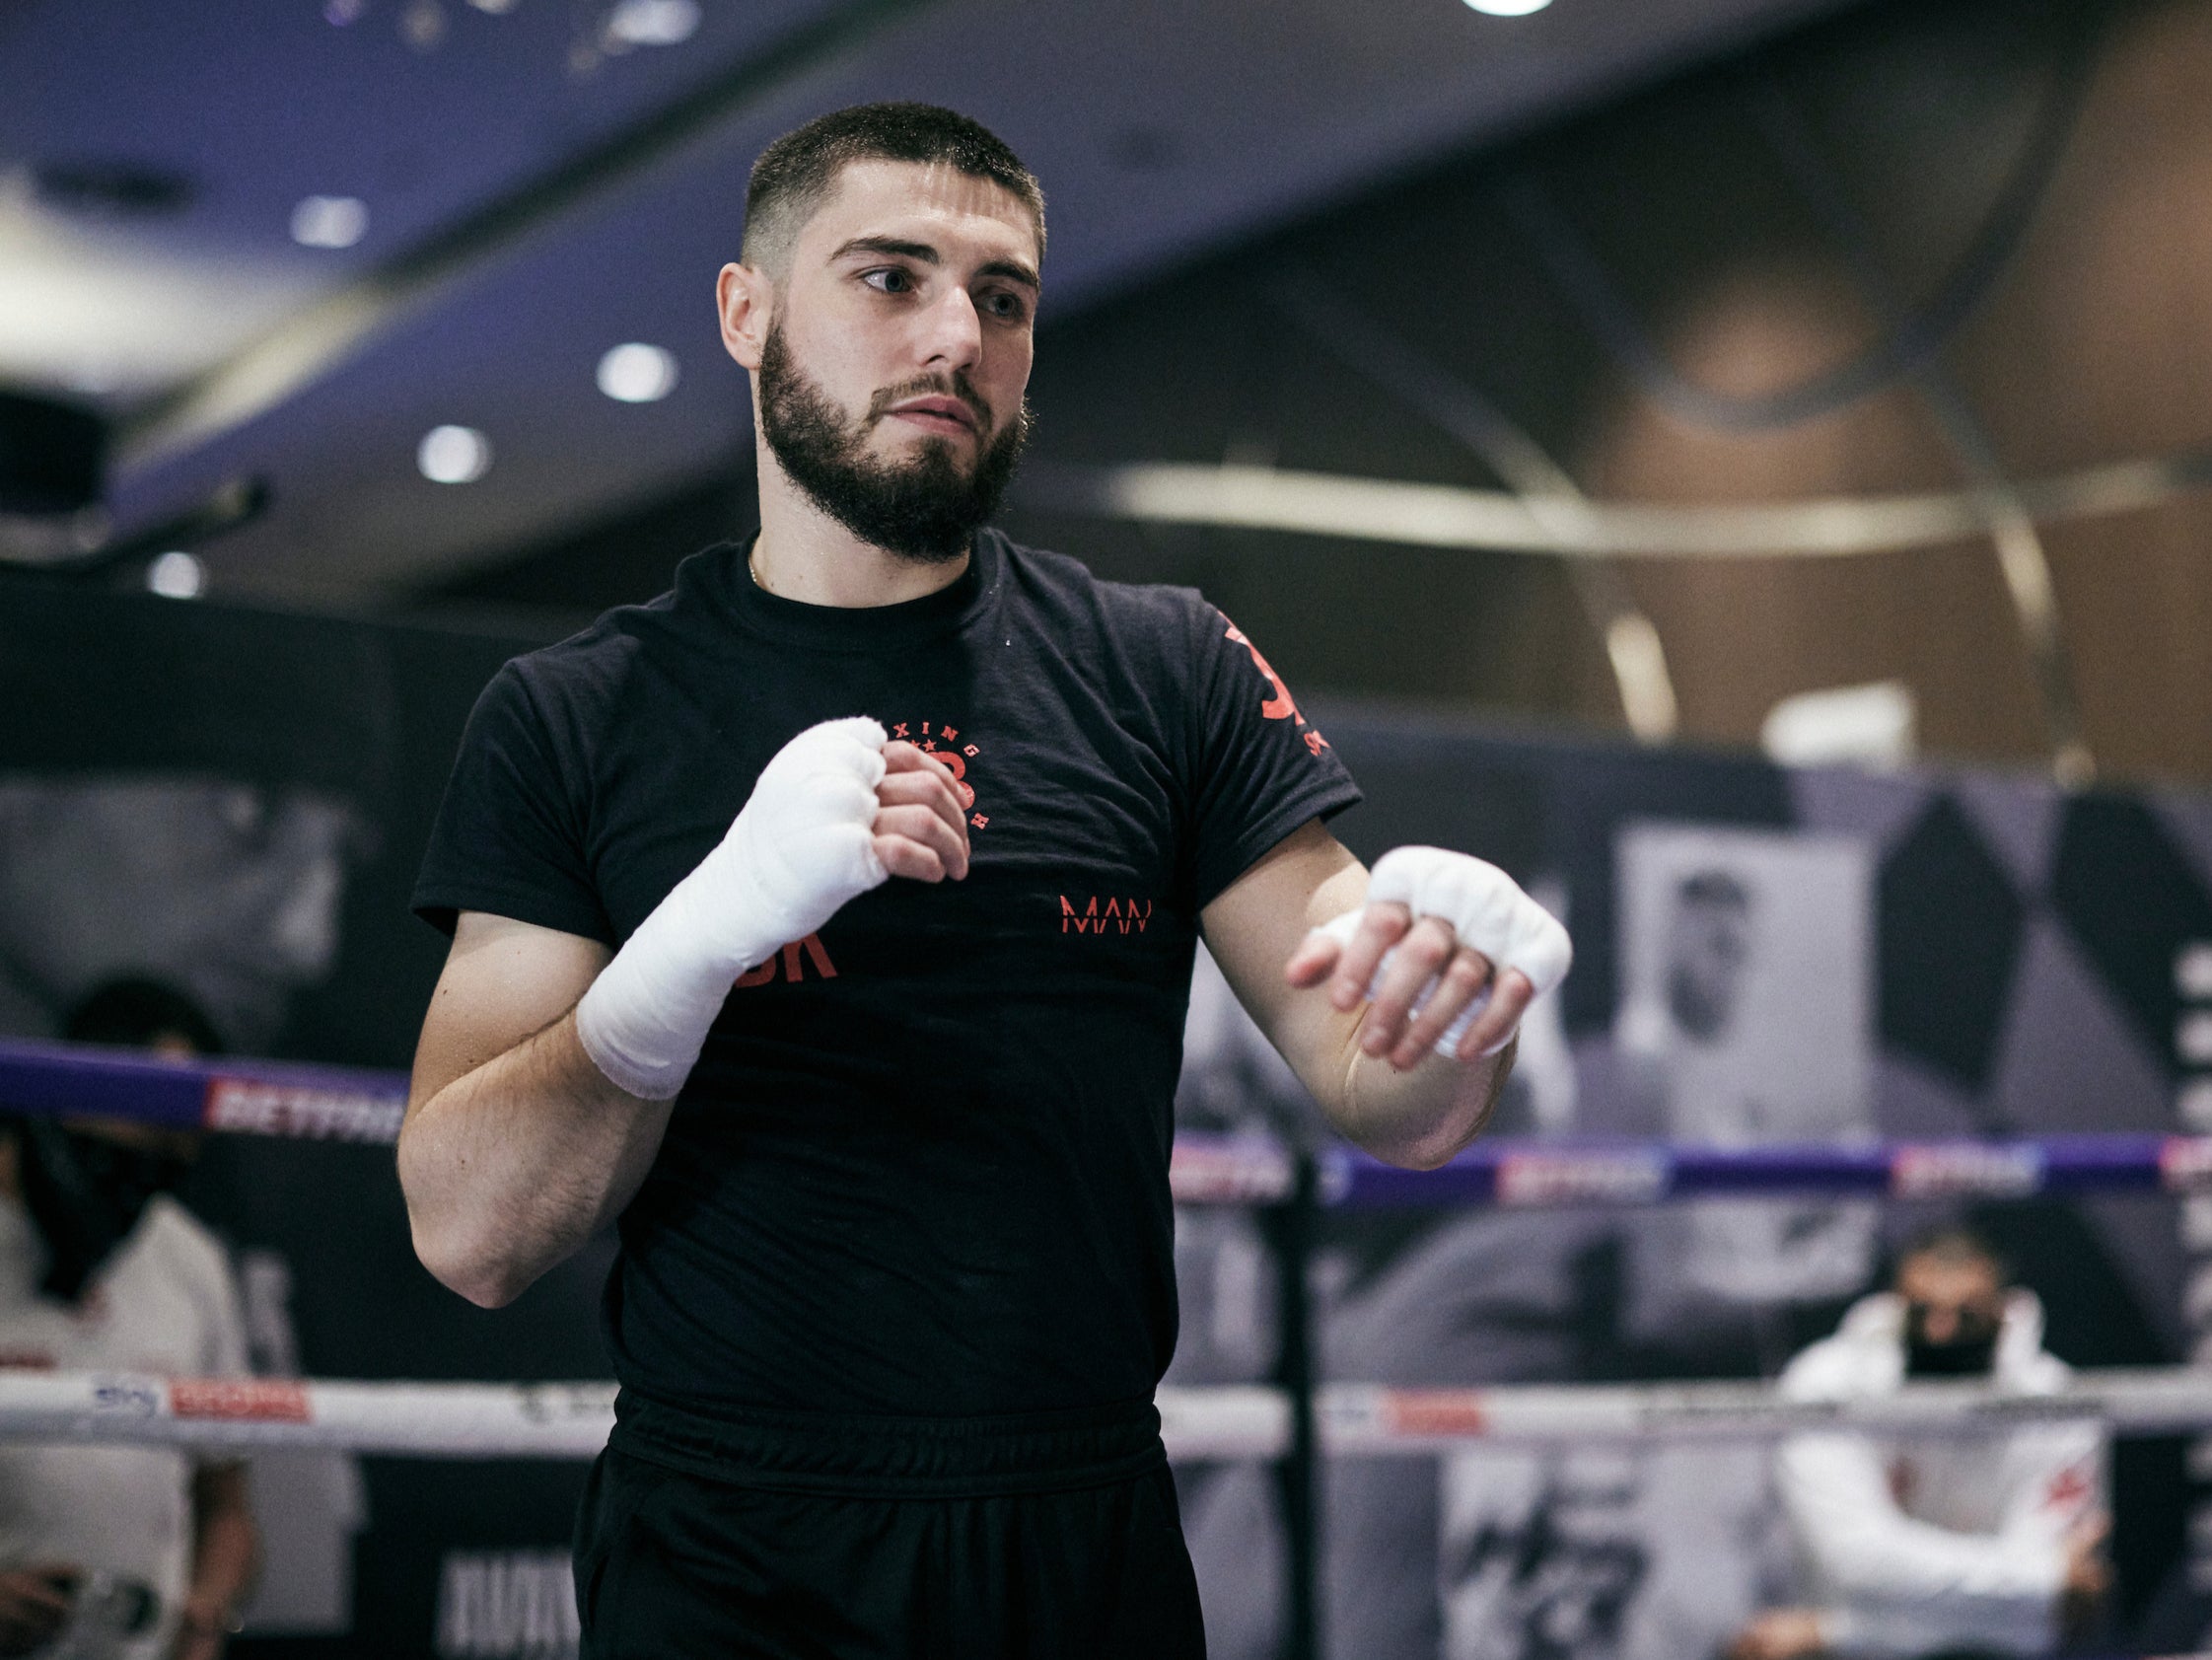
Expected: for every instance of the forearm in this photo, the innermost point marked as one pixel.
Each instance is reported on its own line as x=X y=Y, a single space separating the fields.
x=1419 y=1117
x=512 y=1166
x=225 y=1560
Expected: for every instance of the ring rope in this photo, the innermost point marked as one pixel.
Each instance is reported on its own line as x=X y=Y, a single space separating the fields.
x=347 y=1103
x=572 y=1420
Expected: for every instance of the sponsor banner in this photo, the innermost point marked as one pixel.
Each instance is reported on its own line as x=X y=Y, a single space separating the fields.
x=241 y=1400
x=1610 y=1176
x=2184 y=1163
x=302 y=1110
x=1959 y=1169
x=1240 y=1170
x=507 y=1605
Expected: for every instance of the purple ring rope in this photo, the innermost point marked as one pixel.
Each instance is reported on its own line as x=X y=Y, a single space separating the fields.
x=347 y=1103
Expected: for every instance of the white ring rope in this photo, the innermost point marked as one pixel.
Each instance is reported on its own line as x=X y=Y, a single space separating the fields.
x=490 y=1420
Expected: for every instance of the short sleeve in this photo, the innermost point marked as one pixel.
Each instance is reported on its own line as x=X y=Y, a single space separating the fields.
x=1260 y=769
x=509 y=838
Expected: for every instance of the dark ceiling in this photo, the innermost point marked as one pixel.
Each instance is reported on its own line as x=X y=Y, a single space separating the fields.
x=541 y=181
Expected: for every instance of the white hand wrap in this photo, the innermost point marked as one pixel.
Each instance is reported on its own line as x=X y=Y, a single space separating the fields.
x=1488 y=913
x=802 y=845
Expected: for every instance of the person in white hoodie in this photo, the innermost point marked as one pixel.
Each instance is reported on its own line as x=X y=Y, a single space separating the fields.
x=1988 y=1543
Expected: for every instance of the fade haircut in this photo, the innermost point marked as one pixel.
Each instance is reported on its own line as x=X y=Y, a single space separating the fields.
x=800 y=168
x=1956 y=1245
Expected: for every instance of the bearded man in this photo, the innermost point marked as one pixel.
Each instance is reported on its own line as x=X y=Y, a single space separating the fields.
x=1962 y=1547
x=829 y=923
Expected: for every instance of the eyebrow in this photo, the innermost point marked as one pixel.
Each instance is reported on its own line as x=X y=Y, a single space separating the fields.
x=1012 y=270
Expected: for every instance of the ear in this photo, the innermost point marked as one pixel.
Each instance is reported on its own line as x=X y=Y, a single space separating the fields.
x=746 y=300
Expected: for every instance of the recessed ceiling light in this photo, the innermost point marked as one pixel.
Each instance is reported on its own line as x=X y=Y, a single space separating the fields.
x=1507 y=8
x=329 y=221
x=637 y=373
x=454 y=455
x=653 y=23
x=177 y=575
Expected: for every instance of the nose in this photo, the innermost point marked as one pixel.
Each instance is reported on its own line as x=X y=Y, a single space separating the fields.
x=952 y=336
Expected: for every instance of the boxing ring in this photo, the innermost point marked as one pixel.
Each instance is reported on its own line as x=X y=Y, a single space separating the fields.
x=1295 y=1420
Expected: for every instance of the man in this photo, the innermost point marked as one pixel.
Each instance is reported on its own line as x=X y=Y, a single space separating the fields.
x=1975 y=1543
x=890 y=1156
x=137 y=1552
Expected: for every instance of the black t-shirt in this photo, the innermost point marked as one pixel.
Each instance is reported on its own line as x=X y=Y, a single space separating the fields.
x=921 y=1166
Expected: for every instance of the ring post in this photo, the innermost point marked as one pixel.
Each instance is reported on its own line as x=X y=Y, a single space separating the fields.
x=1291 y=1223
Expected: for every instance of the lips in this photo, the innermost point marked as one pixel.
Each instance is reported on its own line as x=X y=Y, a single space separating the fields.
x=938 y=413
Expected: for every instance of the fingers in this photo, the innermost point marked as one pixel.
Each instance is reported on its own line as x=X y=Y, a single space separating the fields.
x=932 y=787
x=916 y=841
x=1381 y=927
x=902 y=756
x=1466 y=976
x=921 y=820
x=41 y=1596
x=1511 y=993
x=1311 y=963
x=1420 y=955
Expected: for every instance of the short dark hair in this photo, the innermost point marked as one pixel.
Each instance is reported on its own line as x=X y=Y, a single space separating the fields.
x=1954 y=1243
x=798 y=170
x=1713 y=887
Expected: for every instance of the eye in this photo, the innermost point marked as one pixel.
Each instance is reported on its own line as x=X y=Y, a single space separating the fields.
x=1007 y=305
x=888 y=279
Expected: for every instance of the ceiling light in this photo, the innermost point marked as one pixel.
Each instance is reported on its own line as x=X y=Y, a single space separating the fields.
x=637 y=373
x=329 y=221
x=177 y=575
x=653 y=23
x=1507 y=8
x=454 y=455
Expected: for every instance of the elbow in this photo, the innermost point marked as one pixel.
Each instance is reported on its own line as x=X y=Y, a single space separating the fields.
x=1424 y=1153
x=468 y=1267
x=459 y=1253
x=1431 y=1146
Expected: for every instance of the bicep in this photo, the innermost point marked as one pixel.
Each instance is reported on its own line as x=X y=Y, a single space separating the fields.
x=502 y=982
x=1255 y=924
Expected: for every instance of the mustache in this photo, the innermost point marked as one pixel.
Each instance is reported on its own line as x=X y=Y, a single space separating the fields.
x=954 y=386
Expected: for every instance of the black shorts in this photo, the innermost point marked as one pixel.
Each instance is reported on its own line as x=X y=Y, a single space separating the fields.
x=1056 y=1540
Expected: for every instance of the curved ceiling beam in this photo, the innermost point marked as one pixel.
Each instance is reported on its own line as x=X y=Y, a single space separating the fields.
x=1448 y=516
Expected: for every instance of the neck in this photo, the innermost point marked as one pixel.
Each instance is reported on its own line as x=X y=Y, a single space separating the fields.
x=804 y=554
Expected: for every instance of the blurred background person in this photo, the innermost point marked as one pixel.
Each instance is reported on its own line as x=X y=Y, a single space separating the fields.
x=1962 y=1545
x=123 y=1551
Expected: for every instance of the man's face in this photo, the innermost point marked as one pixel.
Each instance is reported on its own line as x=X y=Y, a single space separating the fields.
x=1710 y=944
x=892 y=380
x=1953 y=1307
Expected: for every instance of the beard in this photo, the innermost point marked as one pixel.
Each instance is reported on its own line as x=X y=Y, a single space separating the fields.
x=924 y=508
x=1970 y=1352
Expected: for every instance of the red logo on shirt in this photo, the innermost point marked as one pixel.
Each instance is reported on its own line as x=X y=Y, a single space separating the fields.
x=1282 y=705
x=947 y=747
x=1118 y=915
x=792 y=962
x=2069 y=1487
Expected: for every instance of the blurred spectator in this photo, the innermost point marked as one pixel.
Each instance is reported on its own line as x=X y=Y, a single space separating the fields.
x=138 y=1554
x=1975 y=1544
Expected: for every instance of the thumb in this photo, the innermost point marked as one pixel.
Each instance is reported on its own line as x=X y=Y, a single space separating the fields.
x=1314 y=960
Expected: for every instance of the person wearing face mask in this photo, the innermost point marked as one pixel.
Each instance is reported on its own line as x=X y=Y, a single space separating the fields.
x=1981 y=1543
x=116 y=1553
